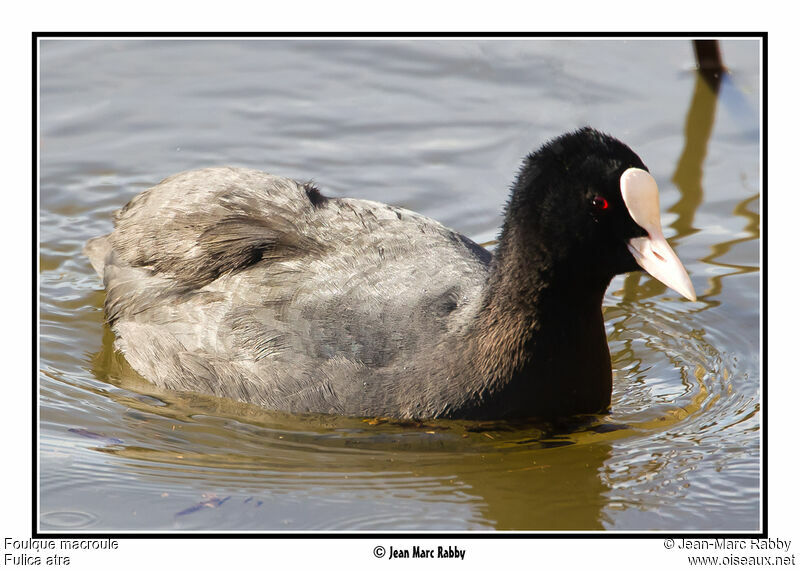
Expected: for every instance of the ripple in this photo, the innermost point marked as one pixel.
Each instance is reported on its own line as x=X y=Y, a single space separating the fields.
x=67 y=520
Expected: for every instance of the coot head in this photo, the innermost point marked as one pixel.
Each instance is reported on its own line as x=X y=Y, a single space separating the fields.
x=584 y=209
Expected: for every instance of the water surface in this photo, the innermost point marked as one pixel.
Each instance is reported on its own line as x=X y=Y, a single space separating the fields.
x=439 y=127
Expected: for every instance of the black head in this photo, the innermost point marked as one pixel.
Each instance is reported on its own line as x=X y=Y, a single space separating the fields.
x=567 y=216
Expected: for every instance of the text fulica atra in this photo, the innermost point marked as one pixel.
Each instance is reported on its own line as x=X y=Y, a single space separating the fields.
x=237 y=283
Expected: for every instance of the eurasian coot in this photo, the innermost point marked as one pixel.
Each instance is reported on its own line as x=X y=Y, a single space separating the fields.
x=244 y=285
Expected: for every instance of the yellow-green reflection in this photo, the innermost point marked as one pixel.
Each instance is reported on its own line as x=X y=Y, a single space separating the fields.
x=688 y=176
x=720 y=249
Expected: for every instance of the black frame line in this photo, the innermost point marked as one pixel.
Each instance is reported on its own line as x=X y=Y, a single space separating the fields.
x=430 y=535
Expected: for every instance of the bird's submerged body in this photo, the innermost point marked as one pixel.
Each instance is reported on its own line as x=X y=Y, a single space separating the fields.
x=244 y=285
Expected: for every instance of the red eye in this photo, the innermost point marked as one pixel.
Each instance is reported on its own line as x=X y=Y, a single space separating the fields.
x=599 y=203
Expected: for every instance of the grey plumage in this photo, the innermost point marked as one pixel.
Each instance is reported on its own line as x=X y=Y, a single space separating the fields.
x=254 y=287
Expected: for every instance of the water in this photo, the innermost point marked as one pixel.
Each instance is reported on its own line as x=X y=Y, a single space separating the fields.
x=438 y=127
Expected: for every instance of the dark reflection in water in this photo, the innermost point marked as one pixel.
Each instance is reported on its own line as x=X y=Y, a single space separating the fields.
x=438 y=127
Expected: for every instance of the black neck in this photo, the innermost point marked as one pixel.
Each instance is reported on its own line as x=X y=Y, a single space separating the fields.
x=540 y=341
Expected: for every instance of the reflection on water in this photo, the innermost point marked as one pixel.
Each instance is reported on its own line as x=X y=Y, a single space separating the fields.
x=688 y=175
x=680 y=447
x=718 y=251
